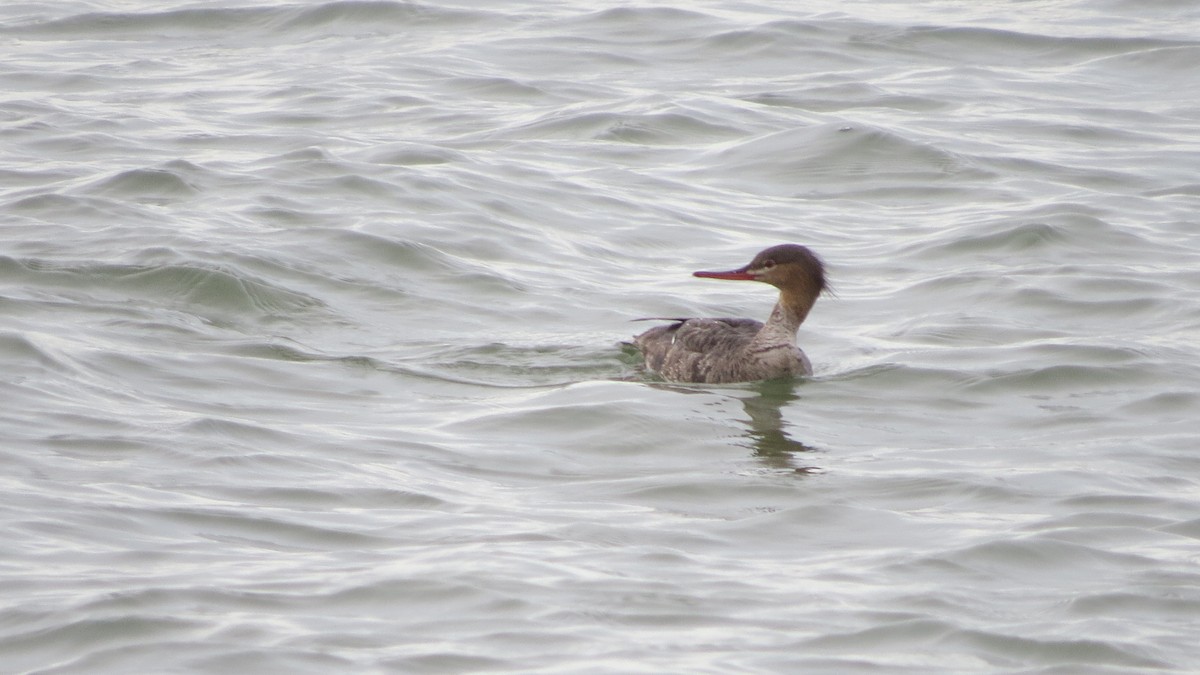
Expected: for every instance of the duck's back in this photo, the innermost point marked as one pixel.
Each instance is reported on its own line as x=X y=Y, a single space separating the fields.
x=715 y=351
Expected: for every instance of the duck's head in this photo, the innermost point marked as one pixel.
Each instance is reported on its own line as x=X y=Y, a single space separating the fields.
x=788 y=267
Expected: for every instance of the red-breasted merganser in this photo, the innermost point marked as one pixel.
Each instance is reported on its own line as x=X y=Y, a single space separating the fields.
x=717 y=351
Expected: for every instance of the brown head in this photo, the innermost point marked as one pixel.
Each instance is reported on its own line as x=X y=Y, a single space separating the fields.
x=791 y=268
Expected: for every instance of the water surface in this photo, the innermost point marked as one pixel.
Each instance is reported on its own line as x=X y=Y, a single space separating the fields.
x=311 y=323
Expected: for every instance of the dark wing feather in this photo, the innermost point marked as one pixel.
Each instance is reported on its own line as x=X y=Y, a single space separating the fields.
x=696 y=350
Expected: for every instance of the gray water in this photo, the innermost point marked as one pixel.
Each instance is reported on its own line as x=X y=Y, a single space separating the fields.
x=311 y=319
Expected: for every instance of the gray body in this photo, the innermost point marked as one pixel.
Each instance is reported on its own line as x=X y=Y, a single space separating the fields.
x=720 y=351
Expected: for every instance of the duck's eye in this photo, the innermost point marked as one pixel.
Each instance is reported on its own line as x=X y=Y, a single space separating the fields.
x=768 y=264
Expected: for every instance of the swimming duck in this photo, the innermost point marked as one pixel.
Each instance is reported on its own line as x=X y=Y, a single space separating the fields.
x=720 y=351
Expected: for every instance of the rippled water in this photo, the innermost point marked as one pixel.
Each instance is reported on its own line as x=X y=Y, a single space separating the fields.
x=311 y=322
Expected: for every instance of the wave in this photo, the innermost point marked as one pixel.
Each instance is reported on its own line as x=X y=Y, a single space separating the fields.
x=280 y=21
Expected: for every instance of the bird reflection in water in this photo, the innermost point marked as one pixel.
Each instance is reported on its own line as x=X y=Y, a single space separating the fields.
x=766 y=430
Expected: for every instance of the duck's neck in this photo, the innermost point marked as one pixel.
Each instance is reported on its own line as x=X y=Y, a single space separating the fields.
x=789 y=313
